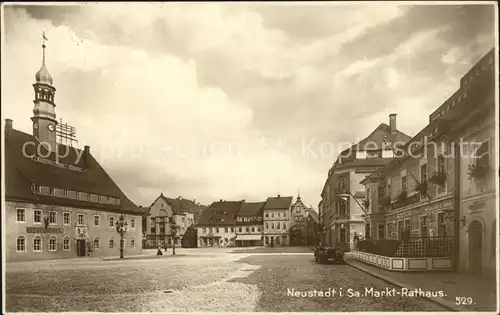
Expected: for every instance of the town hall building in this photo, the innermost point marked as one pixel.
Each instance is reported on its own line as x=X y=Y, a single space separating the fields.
x=59 y=201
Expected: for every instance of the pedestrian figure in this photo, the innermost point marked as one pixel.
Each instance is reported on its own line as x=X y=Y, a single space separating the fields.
x=272 y=242
x=159 y=253
x=356 y=240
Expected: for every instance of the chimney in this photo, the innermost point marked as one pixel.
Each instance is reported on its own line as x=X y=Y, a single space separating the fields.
x=86 y=154
x=279 y=196
x=392 y=123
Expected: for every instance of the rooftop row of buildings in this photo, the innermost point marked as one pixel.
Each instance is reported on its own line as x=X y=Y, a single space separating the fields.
x=275 y=222
x=438 y=184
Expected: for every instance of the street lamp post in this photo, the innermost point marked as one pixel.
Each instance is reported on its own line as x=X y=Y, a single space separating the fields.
x=174 y=232
x=121 y=228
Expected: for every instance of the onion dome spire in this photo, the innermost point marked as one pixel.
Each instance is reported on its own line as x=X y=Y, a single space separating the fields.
x=43 y=76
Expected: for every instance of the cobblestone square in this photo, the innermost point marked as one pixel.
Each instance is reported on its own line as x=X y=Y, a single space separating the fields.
x=208 y=280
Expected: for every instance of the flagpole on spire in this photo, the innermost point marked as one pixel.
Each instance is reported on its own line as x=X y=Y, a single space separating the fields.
x=44 y=38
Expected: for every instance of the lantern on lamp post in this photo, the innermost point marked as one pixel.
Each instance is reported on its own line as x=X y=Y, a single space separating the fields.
x=121 y=228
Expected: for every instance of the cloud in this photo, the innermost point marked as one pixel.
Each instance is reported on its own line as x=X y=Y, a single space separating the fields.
x=177 y=98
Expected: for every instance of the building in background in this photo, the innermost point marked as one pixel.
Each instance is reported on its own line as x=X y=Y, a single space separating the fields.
x=59 y=201
x=163 y=215
x=442 y=191
x=342 y=211
x=277 y=221
x=249 y=226
x=300 y=230
x=217 y=225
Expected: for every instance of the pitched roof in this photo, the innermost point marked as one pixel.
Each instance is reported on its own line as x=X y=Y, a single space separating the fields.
x=220 y=213
x=376 y=139
x=145 y=210
x=278 y=203
x=383 y=131
x=250 y=209
x=21 y=173
x=180 y=205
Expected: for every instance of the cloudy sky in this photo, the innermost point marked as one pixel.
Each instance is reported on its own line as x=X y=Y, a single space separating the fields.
x=236 y=101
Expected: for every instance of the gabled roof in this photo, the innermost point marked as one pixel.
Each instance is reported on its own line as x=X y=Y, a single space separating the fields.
x=221 y=213
x=180 y=205
x=21 y=173
x=383 y=131
x=251 y=209
x=279 y=202
x=376 y=138
x=298 y=202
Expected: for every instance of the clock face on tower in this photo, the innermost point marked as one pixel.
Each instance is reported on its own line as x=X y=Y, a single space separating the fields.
x=35 y=125
x=51 y=127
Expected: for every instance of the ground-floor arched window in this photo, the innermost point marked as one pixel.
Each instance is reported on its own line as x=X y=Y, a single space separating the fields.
x=21 y=244
x=96 y=243
x=37 y=244
x=111 y=243
x=132 y=243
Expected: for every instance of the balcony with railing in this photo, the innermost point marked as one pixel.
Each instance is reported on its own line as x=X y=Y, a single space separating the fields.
x=403 y=200
x=342 y=191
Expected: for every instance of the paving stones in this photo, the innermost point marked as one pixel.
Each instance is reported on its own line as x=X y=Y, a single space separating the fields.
x=203 y=282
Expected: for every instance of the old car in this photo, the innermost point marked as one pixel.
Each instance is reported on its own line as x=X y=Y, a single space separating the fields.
x=328 y=255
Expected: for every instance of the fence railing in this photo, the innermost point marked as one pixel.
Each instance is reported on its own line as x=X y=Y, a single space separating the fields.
x=411 y=247
x=426 y=247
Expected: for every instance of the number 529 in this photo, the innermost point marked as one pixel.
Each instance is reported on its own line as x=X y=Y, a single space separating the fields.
x=461 y=300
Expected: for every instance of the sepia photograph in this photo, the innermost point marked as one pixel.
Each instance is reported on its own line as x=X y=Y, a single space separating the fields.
x=242 y=157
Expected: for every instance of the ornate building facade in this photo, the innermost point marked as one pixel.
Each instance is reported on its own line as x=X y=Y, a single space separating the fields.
x=343 y=196
x=443 y=188
x=304 y=227
x=166 y=214
x=59 y=202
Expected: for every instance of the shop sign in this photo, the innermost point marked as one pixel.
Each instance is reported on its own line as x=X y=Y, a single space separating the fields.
x=41 y=230
x=440 y=205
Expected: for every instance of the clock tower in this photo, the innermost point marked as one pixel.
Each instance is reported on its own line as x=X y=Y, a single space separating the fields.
x=44 y=115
